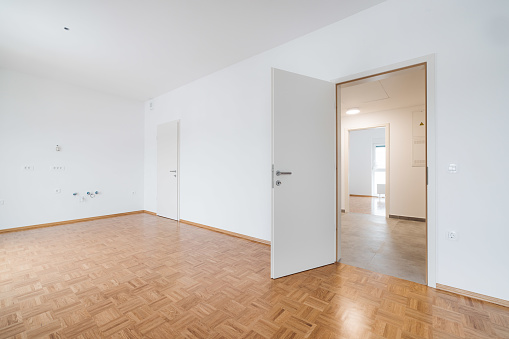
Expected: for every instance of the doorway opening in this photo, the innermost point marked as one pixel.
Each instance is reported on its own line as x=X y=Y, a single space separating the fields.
x=296 y=160
x=368 y=168
x=384 y=164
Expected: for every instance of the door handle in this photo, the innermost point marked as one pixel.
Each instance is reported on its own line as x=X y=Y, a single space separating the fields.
x=278 y=173
x=173 y=171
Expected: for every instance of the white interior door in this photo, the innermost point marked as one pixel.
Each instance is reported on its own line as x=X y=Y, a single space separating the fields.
x=167 y=170
x=303 y=202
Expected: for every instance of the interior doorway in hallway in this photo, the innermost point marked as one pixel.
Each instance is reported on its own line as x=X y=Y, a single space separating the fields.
x=385 y=114
x=368 y=170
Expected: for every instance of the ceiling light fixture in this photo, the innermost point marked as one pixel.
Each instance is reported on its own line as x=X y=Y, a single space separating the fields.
x=353 y=110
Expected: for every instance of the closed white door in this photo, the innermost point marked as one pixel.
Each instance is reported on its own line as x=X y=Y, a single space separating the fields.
x=167 y=170
x=304 y=173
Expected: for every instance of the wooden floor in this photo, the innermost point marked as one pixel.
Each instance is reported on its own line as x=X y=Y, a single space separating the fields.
x=142 y=276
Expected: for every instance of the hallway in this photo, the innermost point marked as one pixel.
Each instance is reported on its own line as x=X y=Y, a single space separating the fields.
x=367 y=205
x=390 y=246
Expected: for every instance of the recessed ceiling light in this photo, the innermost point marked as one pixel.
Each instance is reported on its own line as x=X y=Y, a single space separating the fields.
x=67 y=28
x=353 y=110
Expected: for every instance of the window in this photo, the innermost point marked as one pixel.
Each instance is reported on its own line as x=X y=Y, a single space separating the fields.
x=378 y=170
x=379 y=162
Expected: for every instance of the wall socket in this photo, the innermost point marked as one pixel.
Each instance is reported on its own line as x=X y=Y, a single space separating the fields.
x=452 y=235
x=57 y=168
x=28 y=167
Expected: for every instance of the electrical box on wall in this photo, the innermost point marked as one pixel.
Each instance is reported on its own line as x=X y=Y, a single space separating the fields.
x=418 y=139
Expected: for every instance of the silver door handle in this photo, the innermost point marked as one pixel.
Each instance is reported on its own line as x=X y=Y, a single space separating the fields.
x=278 y=173
x=173 y=171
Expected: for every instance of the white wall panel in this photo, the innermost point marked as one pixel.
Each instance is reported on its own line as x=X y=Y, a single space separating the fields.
x=101 y=139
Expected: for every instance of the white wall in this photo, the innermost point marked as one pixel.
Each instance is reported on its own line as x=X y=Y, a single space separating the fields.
x=407 y=184
x=361 y=159
x=102 y=149
x=225 y=165
x=226 y=126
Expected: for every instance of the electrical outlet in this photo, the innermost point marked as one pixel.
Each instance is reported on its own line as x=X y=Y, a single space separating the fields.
x=452 y=235
x=28 y=167
x=57 y=168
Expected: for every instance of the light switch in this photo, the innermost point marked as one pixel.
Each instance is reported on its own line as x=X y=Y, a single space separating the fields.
x=453 y=168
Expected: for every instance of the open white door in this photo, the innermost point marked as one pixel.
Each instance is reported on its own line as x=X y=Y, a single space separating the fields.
x=304 y=173
x=167 y=170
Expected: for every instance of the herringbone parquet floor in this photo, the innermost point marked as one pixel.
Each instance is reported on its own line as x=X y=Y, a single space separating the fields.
x=141 y=276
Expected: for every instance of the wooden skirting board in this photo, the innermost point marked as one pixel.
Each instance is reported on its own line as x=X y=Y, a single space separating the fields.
x=402 y=217
x=473 y=295
x=233 y=234
x=59 y=223
x=363 y=196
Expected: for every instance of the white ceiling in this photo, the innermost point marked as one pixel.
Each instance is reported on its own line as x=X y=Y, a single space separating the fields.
x=400 y=89
x=144 y=48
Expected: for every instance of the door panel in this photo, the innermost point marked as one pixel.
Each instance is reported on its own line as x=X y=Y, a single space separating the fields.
x=167 y=170
x=303 y=142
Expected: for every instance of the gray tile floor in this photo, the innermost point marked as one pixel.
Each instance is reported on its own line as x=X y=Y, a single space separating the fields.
x=389 y=246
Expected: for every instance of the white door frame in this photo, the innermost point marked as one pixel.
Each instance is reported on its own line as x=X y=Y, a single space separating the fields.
x=429 y=62
x=346 y=142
